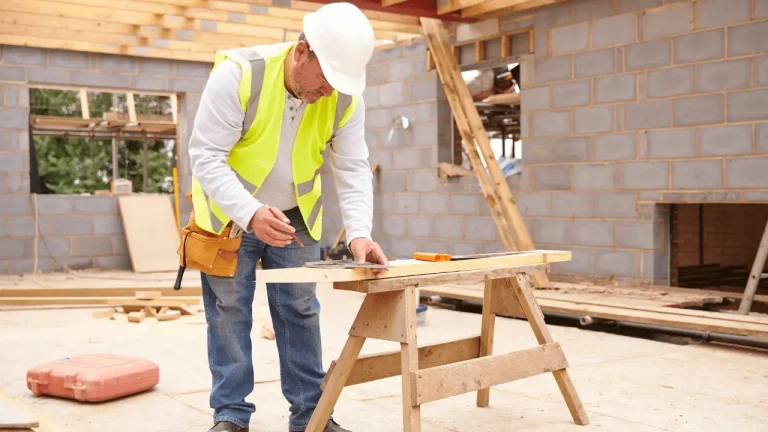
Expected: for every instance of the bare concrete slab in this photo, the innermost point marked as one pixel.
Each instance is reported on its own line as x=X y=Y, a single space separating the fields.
x=626 y=384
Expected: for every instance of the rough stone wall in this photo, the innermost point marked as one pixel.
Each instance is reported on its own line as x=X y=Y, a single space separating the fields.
x=78 y=231
x=634 y=104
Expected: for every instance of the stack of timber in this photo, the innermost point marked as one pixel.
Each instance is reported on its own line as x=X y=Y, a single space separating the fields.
x=660 y=306
x=98 y=288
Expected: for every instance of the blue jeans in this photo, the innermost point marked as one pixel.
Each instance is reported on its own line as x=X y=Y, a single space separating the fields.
x=295 y=314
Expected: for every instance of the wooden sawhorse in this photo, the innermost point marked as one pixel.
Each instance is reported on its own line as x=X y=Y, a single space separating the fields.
x=443 y=370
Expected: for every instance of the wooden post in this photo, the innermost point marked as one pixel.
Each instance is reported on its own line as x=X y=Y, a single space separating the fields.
x=486 y=336
x=175 y=108
x=131 y=107
x=479 y=51
x=115 y=162
x=505 y=46
x=755 y=275
x=84 y=104
x=146 y=167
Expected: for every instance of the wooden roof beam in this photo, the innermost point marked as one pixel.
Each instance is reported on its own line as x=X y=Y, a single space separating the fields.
x=491 y=8
x=455 y=5
x=416 y=8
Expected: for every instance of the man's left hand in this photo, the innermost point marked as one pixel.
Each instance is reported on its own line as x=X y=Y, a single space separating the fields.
x=368 y=251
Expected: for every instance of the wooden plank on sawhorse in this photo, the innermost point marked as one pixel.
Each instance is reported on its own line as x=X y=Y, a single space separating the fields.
x=509 y=221
x=435 y=372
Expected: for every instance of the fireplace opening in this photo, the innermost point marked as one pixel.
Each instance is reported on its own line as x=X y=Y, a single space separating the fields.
x=713 y=246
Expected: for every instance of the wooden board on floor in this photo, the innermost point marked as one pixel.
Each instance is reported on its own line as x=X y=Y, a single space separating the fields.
x=11 y=418
x=410 y=267
x=114 y=301
x=150 y=232
x=669 y=317
x=165 y=290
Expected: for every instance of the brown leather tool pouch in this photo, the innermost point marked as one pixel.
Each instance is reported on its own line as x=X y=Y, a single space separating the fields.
x=212 y=254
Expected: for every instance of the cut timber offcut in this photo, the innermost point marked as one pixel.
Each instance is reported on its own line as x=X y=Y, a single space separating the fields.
x=148 y=295
x=136 y=317
x=168 y=315
x=104 y=313
x=267 y=332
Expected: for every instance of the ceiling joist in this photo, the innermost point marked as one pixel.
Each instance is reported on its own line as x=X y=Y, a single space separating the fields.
x=195 y=29
x=174 y=29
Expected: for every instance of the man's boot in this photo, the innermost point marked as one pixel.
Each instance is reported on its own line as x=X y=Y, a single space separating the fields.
x=225 y=426
x=332 y=426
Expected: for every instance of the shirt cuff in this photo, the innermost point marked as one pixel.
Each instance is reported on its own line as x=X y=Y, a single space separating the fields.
x=351 y=235
x=243 y=220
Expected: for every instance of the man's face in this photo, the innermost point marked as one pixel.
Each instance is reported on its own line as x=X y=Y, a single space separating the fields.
x=307 y=77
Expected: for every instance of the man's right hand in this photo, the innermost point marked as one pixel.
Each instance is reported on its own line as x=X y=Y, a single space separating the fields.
x=271 y=226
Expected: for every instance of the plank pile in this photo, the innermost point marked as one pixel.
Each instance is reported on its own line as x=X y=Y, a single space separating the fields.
x=146 y=304
x=625 y=305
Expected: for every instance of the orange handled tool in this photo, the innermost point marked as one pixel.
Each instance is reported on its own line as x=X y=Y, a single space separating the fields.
x=424 y=256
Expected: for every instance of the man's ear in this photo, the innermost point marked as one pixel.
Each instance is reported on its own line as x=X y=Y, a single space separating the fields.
x=301 y=52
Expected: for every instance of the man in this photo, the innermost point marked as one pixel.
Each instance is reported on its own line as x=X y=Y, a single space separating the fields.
x=264 y=119
x=489 y=82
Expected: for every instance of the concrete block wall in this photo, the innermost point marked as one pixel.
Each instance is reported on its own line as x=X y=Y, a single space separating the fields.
x=79 y=231
x=74 y=231
x=415 y=210
x=633 y=105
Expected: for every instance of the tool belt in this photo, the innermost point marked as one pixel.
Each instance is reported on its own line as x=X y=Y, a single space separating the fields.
x=214 y=255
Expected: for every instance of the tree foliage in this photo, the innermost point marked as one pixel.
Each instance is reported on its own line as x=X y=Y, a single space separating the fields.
x=84 y=165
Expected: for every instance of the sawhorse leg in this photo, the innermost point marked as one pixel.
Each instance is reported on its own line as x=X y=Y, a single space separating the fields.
x=409 y=360
x=486 y=337
x=387 y=316
x=522 y=290
x=335 y=384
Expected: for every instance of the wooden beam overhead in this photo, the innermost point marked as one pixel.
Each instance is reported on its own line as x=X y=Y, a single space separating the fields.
x=391 y=2
x=416 y=8
x=33 y=41
x=449 y=6
x=174 y=29
x=492 y=8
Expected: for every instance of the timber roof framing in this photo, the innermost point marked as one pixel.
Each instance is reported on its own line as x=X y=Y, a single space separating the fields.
x=173 y=29
x=450 y=10
x=195 y=29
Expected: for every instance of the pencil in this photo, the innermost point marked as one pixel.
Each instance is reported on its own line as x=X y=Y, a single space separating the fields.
x=292 y=234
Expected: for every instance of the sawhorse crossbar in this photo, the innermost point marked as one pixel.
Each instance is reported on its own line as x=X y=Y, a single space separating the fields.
x=435 y=372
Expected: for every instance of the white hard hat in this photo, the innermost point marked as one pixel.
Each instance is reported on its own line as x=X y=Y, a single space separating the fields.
x=342 y=38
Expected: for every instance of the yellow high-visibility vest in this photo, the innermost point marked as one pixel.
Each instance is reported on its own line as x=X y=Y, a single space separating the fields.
x=262 y=97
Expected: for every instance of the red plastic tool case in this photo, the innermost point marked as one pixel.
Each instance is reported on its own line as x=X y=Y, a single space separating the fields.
x=93 y=377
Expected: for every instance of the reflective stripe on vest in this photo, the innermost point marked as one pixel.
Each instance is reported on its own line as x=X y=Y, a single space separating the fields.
x=262 y=91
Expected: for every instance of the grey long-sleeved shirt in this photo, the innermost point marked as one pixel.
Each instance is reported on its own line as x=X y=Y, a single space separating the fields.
x=218 y=126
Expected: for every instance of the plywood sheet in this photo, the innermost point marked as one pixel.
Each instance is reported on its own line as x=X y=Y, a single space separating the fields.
x=410 y=267
x=150 y=232
x=11 y=418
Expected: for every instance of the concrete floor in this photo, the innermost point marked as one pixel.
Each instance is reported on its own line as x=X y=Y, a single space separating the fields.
x=626 y=384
